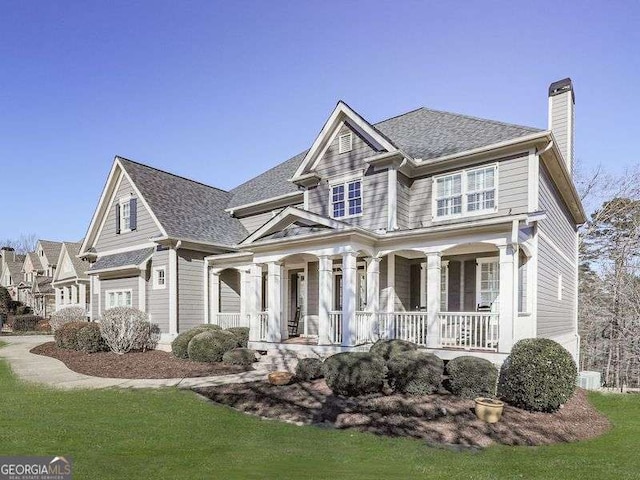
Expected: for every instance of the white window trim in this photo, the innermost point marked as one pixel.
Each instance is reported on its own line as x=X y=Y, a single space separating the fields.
x=464 y=213
x=479 y=262
x=345 y=135
x=124 y=290
x=345 y=181
x=122 y=201
x=156 y=285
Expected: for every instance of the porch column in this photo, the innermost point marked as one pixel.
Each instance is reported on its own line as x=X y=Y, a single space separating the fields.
x=59 y=298
x=214 y=297
x=349 y=279
x=507 y=294
x=254 y=301
x=74 y=294
x=275 y=301
x=433 y=299
x=142 y=290
x=373 y=296
x=325 y=296
x=173 y=291
x=82 y=288
x=423 y=285
x=391 y=296
x=244 y=290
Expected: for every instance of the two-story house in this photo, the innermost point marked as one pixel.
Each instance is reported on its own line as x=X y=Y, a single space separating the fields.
x=35 y=289
x=455 y=232
x=11 y=270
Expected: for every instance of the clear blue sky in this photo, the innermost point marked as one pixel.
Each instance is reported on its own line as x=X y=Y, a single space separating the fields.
x=220 y=91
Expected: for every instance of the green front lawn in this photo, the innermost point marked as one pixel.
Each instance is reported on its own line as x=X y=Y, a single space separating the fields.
x=174 y=434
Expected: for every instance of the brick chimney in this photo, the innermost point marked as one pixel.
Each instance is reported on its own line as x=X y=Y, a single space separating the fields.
x=562 y=102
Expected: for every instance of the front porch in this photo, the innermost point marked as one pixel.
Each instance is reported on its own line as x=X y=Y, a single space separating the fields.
x=465 y=298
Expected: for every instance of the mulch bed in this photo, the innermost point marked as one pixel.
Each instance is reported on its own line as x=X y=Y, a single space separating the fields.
x=440 y=419
x=149 y=364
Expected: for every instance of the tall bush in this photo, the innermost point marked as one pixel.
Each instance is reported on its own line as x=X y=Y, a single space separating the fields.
x=67 y=335
x=539 y=375
x=125 y=329
x=67 y=315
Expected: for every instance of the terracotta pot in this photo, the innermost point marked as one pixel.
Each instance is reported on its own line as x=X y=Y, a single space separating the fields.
x=280 y=378
x=489 y=410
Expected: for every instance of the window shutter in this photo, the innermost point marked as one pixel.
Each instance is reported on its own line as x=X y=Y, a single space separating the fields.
x=133 y=213
x=117 y=218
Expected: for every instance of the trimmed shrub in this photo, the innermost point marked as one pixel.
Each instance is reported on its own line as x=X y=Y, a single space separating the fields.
x=242 y=334
x=125 y=329
x=23 y=310
x=539 y=375
x=211 y=346
x=180 y=344
x=415 y=372
x=67 y=315
x=309 y=369
x=13 y=306
x=472 y=377
x=89 y=339
x=43 y=326
x=388 y=348
x=25 y=323
x=354 y=373
x=5 y=300
x=67 y=335
x=239 y=356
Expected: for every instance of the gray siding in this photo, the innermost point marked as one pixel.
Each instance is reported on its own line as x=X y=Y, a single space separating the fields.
x=402 y=278
x=146 y=227
x=560 y=115
x=454 y=286
x=404 y=201
x=190 y=289
x=554 y=316
x=253 y=222
x=512 y=191
x=230 y=291
x=374 y=185
x=470 y=286
x=126 y=283
x=158 y=299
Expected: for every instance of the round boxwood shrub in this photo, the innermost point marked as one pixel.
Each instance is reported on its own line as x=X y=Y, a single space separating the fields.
x=89 y=339
x=309 y=369
x=67 y=335
x=539 y=375
x=472 y=377
x=210 y=346
x=354 y=373
x=388 y=348
x=180 y=344
x=415 y=372
x=242 y=333
x=239 y=356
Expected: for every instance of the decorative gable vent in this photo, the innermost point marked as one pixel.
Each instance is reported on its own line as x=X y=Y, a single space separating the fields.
x=345 y=143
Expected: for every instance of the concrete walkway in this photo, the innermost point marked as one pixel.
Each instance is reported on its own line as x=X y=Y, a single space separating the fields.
x=53 y=373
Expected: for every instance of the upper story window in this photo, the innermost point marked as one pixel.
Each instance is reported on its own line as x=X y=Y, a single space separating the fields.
x=159 y=277
x=467 y=192
x=345 y=143
x=126 y=215
x=346 y=199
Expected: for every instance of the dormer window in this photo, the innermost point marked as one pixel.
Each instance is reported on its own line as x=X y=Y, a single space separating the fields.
x=345 y=143
x=346 y=199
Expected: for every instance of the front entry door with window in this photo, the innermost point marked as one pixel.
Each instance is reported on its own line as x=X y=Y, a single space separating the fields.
x=488 y=284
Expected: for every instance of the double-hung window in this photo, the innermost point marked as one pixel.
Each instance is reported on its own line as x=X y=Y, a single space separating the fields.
x=467 y=192
x=125 y=216
x=346 y=199
x=118 y=298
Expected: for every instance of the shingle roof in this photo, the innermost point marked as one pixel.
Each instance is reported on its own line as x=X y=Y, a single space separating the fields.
x=185 y=208
x=43 y=285
x=35 y=261
x=421 y=133
x=15 y=269
x=51 y=251
x=125 y=259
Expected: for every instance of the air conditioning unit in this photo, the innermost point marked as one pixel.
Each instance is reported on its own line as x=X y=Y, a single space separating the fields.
x=590 y=380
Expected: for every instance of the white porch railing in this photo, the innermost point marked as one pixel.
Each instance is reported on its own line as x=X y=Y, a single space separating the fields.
x=263 y=321
x=364 y=327
x=469 y=330
x=410 y=326
x=229 y=319
x=335 y=327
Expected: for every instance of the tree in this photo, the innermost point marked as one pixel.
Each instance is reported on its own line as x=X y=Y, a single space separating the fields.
x=23 y=244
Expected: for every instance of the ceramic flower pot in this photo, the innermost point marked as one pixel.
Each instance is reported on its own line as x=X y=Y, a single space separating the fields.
x=280 y=378
x=488 y=409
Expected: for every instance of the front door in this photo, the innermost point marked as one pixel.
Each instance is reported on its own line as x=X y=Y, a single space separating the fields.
x=488 y=284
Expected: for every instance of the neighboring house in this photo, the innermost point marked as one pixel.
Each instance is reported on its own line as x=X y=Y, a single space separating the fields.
x=451 y=231
x=70 y=280
x=147 y=242
x=34 y=289
x=11 y=270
